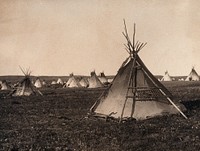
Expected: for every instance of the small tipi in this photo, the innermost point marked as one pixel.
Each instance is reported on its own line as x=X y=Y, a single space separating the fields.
x=25 y=87
x=135 y=92
x=83 y=82
x=110 y=80
x=44 y=82
x=193 y=76
x=94 y=81
x=53 y=82
x=103 y=78
x=38 y=83
x=4 y=85
x=166 y=77
x=59 y=81
x=72 y=82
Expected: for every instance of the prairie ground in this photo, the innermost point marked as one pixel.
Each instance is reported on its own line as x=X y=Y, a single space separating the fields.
x=58 y=121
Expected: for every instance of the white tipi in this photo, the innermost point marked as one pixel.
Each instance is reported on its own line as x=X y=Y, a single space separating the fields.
x=135 y=92
x=94 y=81
x=44 y=82
x=166 y=77
x=59 y=81
x=193 y=76
x=103 y=78
x=38 y=83
x=72 y=82
x=25 y=87
x=53 y=82
x=83 y=82
x=4 y=85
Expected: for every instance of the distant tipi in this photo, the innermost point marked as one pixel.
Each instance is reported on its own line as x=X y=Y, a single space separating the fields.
x=25 y=87
x=72 y=82
x=4 y=85
x=166 y=77
x=193 y=76
x=59 y=81
x=135 y=92
x=44 y=83
x=38 y=83
x=84 y=82
x=53 y=82
x=94 y=81
x=103 y=78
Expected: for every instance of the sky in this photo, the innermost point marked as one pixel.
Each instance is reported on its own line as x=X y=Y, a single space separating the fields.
x=54 y=37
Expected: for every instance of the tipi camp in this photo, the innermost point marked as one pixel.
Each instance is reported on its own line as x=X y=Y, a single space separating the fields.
x=25 y=87
x=193 y=76
x=166 y=77
x=135 y=92
x=38 y=83
x=103 y=78
x=94 y=81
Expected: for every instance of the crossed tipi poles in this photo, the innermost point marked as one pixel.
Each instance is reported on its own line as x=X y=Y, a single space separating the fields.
x=133 y=49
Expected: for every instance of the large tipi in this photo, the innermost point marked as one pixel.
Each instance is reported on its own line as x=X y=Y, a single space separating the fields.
x=103 y=78
x=193 y=76
x=94 y=81
x=25 y=87
x=166 y=77
x=135 y=92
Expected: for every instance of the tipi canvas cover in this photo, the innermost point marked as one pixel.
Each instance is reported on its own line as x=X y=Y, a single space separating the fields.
x=166 y=77
x=193 y=76
x=94 y=81
x=135 y=92
x=84 y=83
x=103 y=78
x=38 y=83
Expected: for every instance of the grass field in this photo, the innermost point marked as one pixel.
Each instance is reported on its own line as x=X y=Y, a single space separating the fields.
x=58 y=121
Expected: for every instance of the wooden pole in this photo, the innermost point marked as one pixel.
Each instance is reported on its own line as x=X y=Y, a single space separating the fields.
x=129 y=81
x=134 y=84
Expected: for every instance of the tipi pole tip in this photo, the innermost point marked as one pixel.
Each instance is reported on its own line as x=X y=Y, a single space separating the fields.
x=22 y=70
